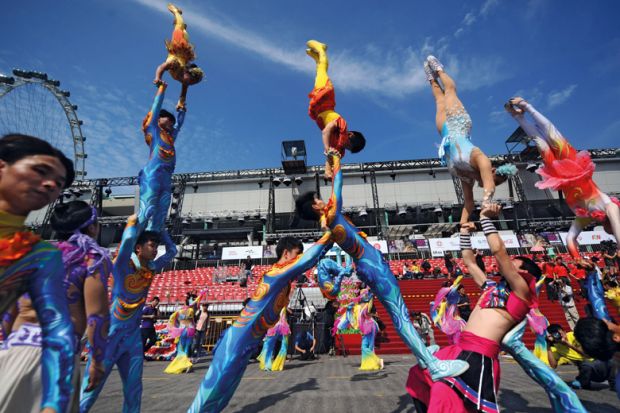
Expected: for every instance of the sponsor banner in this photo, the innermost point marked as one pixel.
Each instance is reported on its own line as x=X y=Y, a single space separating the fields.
x=439 y=246
x=590 y=237
x=379 y=244
x=240 y=253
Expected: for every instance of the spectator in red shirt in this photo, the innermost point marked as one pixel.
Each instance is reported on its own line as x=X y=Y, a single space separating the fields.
x=560 y=269
x=548 y=268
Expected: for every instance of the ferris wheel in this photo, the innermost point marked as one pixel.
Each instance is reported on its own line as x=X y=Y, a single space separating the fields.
x=33 y=104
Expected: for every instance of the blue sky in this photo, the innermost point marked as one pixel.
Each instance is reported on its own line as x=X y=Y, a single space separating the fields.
x=563 y=56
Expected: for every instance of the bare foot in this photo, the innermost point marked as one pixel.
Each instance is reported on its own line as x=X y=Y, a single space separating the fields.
x=313 y=55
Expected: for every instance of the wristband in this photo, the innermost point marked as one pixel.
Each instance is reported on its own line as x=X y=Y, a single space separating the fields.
x=465 y=241
x=487 y=226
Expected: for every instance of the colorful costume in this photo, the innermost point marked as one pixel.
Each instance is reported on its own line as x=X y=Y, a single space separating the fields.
x=373 y=270
x=330 y=275
x=323 y=102
x=131 y=284
x=280 y=330
x=180 y=50
x=571 y=172
x=456 y=147
x=240 y=340
x=444 y=314
x=181 y=325
x=368 y=327
x=28 y=265
x=155 y=178
x=536 y=364
x=596 y=294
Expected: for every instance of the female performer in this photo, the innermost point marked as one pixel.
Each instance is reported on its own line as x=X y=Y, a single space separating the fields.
x=180 y=56
x=181 y=325
x=369 y=327
x=444 y=314
x=464 y=160
x=568 y=171
x=280 y=330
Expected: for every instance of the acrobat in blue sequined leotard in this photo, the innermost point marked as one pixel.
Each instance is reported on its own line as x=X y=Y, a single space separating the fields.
x=456 y=147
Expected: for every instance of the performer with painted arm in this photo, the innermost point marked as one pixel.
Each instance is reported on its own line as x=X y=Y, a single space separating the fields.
x=464 y=160
x=500 y=307
x=371 y=268
x=330 y=275
x=259 y=315
x=335 y=133
x=32 y=175
x=568 y=171
x=132 y=272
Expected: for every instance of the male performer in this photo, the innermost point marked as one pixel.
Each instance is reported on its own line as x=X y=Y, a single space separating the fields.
x=260 y=313
x=372 y=269
x=32 y=174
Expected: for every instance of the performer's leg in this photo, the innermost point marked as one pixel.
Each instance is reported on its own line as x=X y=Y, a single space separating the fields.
x=179 y=24
x=385 y=287
x=452 y=101
x=160 y=212
x=88 y=399
x=562 y=397
x=130 y=366
x=440 y=104
x=318 y=51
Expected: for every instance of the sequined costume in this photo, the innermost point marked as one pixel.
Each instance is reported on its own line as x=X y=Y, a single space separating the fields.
x=28 y=265
x=456 y=147
x=571 y=172
x=155 y=179
x=368 y=327
x=131 y=282
x=444 y=314
x=375 y=272
x=240 y=341
x=278 y=333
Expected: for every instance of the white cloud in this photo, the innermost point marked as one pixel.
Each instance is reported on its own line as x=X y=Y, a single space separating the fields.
x=469 y=19
x=488 y=6
x=558 y=97
x=391 y=73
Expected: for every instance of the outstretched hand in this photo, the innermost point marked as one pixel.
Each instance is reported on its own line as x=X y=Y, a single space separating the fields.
x=490 y=210
x=515 y=106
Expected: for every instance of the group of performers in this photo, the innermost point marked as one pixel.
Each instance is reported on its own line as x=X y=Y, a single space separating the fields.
x=52 y=295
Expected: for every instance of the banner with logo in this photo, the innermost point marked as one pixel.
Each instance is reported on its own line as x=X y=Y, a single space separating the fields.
x=440 y=245
x=590 y=237
x=241 y=253
x=379 y=244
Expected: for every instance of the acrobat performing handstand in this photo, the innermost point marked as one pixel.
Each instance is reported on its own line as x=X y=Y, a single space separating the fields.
x=464 y=160
x=568 y=171
x=371 y=268
x=334 y=128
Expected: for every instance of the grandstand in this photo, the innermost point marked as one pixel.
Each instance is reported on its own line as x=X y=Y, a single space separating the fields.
x=408 y=209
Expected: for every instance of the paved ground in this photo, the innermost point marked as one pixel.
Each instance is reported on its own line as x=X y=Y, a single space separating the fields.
x=332 y=384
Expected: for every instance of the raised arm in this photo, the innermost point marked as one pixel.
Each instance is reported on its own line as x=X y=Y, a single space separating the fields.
x=334 y=158
x=469 y=258
x=312 y=255
x=171 y=252
x=571 y=238
x=153 y=114
x=506 y=267
x=469 y=206
x=98 y=320
x=59 y=341
x=128 y=242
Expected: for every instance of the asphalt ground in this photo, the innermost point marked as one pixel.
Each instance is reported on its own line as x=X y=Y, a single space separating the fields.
x=332 y=384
